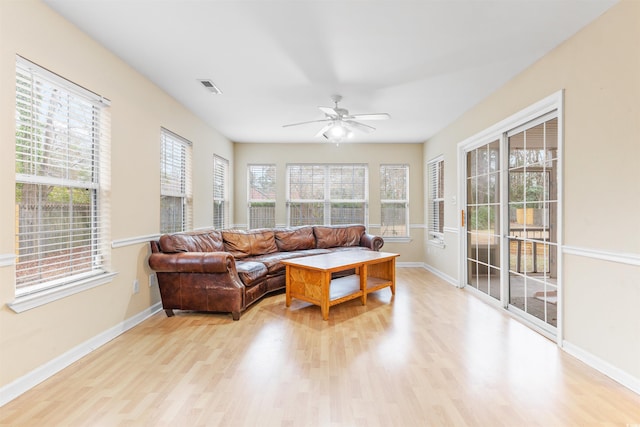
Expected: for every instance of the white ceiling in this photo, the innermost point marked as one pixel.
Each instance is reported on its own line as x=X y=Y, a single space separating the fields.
x=423 y=62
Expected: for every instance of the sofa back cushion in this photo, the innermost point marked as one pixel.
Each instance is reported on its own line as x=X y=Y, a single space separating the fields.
x=244 y=243
x=295 y=238
x=338 y=235
x=209 y=240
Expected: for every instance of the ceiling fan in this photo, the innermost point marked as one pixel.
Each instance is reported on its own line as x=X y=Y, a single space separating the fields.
x=340 y=123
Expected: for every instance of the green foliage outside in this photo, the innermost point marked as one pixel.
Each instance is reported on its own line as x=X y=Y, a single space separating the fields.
x=482 y=217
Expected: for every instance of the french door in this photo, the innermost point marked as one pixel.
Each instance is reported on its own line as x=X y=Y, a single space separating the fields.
x=484 y=229
x=533 y=211
x=511 y=216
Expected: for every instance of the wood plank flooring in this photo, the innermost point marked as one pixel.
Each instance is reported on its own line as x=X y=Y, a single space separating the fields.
x=433 y=355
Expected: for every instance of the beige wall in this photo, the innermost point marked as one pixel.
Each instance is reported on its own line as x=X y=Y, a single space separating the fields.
x=371 y=154
x=138 y=110
x=599 y=70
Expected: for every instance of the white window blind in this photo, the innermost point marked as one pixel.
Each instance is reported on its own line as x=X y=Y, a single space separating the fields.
x=262 y=195
x=394 y=200
x=62 y=180
x=327 y=194
x=220 y=192
x=175 y=183
x=435 y=197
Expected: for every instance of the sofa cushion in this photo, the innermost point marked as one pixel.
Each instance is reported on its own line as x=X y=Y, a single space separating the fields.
x=295 y=238
x=348 y=248
x=333 y=236
x=244 y=243
x=250 y=272
x=273 y=261
x=209 y=240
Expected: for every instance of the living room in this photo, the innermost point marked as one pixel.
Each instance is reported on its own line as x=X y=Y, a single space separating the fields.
x=596 y=71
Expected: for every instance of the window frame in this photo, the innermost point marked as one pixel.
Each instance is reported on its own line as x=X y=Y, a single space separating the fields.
x=221 y=196
x=402 y=200
x=435 y=197
x=84 y=120
x=269 y=170
x=180 y=185
x=327 y=201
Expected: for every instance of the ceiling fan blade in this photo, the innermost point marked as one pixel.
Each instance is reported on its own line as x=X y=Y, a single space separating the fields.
x=372 y=116
x=329 y=111
x=304 y=123
x=360 y=126
x=324 y=129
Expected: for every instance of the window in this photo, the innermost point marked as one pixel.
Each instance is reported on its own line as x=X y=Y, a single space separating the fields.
x=435 y=209
x=394 y=200
x=62 y=178
x=175 y=183
x=220 y=192
x=327 y=194
x=262 y=196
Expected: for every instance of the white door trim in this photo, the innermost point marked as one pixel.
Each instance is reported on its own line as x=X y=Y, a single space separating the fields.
x=497 y=131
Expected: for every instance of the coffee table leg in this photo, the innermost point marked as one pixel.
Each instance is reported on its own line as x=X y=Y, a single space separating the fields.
x=324 y=301
x=363 y=283
x=393 y=276
x=288 y=286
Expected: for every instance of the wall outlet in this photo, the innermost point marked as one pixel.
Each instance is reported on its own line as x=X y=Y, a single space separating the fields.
x=136 y=286
x=152 y=279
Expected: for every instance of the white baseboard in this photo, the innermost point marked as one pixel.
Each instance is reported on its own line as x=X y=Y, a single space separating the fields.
x=409 y=264
x=444 y=276
x=440 y=274
x=616 y=374
x=35 y=377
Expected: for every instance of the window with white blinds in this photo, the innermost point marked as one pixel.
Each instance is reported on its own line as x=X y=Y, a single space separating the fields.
x=220 y=192
x=175 y=183
x=327 y=194
x=394 y=200
x=435 y=200
x=262 y=195
x=62 y=181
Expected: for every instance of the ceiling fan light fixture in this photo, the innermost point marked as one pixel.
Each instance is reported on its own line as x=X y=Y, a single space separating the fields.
x=338 y=132
x=339 y=125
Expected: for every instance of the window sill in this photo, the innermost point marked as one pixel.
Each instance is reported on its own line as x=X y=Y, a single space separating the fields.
x=390 y=239
x=437 y=243
x=36 y=299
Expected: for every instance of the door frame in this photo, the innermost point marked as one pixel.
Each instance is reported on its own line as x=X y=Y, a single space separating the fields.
x=498 y=131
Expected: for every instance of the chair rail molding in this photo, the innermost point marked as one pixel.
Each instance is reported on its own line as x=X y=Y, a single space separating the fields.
x=620 y=257
x=130 y=241
x=7 y=259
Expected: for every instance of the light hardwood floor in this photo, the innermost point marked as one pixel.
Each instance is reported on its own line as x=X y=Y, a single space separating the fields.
x=432 y=355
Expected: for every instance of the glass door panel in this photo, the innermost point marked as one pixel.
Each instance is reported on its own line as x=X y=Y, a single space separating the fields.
x=532 y=206
x=483 y=219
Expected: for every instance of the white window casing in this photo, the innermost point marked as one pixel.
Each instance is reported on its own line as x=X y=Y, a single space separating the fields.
x=220 y=192
x=394 y=201
x=62 y=187
x=176 y=193
x=435 y=201
x=261 y=197
x=327 y=194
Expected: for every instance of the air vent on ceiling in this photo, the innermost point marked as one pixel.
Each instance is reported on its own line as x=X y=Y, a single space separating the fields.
x=209 y=85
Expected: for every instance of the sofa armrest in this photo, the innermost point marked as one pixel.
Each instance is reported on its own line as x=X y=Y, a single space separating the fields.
x=372 y=242
x=193 y=262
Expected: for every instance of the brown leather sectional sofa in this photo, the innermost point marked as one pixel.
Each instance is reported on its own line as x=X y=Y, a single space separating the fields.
x=228 y=270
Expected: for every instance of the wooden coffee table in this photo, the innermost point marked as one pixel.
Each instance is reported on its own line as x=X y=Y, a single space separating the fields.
x=309 y=278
